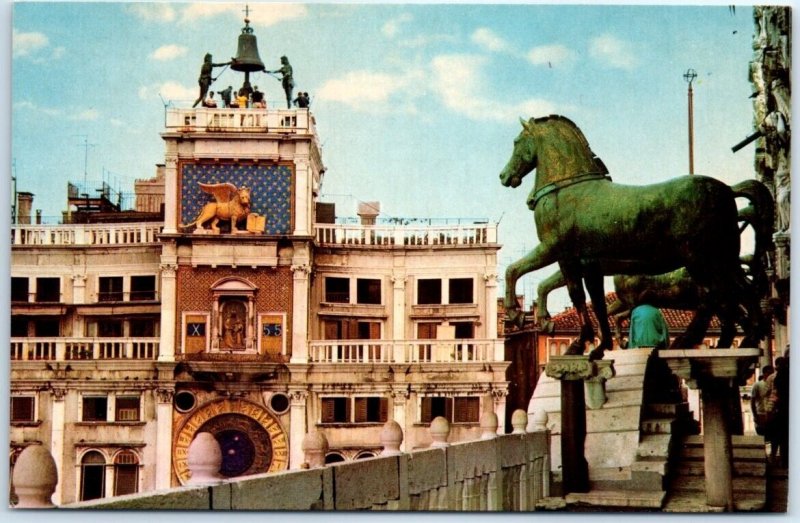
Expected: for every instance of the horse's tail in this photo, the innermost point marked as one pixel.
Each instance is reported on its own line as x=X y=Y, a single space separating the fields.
x=760 y=214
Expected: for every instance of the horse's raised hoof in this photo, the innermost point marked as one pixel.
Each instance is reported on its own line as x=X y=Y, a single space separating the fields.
x=596 y=354
x=545 y=325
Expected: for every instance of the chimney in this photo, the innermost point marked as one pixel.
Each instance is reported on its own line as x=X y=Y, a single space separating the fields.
x=24 y=206
x=368 y=211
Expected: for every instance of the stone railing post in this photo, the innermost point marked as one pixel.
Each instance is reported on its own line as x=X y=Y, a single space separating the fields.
x=538 y=421
x=519 y=420
x=315 y=446
x=489 y=425
x=204 y=458
x=35 y=478
x=440 y=430
x=391 y=438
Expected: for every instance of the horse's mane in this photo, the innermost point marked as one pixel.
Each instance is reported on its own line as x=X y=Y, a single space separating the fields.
x=578 y=134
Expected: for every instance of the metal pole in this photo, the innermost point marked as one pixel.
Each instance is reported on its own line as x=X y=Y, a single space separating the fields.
x=689 y=76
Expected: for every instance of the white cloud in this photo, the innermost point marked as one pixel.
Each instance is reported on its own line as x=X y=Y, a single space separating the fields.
x=551 y=55
x=420 y=41
x=27 y=105
x=371 y=91
x=169 y=52
x=489 y=40
x=392 y=27
x=26 y=44
x=613 y=51
x=168 y=91
x=260 y=14
x=458 y=81
x=88 y=114
x=58 y=52
x=153 y=11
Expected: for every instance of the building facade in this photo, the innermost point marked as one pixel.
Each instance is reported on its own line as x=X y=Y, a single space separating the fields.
x=128 y=339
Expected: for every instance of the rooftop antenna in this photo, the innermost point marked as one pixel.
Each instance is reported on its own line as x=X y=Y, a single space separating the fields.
x=85 y=146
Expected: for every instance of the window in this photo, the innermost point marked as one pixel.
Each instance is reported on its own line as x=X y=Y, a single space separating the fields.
x=462 y=409
x=429 y=292
x=109 y=329
x=48 y=290
x=110 y=288
x=337 y=290
x=19 y=289
x=19 y=327
x=47 y=327
x=371 y=410
x=368 y=291
x=126 y=473
x=22 y=409
x=93 y=476
x=333 y=457
x=464 y=329
x=143 y=288
x=143 y=328
x=461 y=290
x=127 y=408
x=466 y=409
x=95 y=408
x=335 y=410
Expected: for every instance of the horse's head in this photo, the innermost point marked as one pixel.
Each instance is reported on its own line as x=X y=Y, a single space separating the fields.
x=244 y=196
x=523 y=158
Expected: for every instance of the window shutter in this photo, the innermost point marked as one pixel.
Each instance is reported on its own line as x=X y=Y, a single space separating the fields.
x=331 y=330
x=125 y=479
x=467 y=410
x=352 y=330
x=448 y=409
x=384 y=410
x=361 y=410
x=375 y=330
x=327 y=410
x=425 y=416
x=347 y=409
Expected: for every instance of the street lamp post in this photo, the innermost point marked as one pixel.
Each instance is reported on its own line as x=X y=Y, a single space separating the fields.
x=689 y=76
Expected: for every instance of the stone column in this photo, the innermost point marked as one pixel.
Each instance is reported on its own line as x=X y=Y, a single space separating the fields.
x=163 y=465
x=171 y=193
x=398 y=318
x=297 y=427
x=572 y=371
x=79 y=289
x=169 y=268
x=57 y=397
x=302 y=198
x=300 y=292
x=491 y=305
x=399 y=402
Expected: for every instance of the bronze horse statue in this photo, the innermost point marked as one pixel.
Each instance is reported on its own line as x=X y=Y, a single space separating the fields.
x=593 y=227
x=676 y=289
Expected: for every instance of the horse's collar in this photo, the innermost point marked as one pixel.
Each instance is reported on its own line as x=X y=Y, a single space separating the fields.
x=566 y=182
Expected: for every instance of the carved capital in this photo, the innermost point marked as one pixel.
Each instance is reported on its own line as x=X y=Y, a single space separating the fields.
x=298 y=397
x=165 y=395
x=58 y=393
x=399 y=282
x=168 y=270
x=301 y=270
x=498 y=394
x=400 y=395
x=570 y=368
x=79 y=279
x=490 y=277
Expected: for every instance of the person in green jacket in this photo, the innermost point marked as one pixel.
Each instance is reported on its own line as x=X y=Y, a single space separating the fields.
x=648 y=328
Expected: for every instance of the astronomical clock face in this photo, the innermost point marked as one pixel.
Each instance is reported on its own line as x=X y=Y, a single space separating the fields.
x=251 y=439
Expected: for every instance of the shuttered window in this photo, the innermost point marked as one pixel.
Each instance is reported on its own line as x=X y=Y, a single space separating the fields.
x=434 y=407
x=466 y=410
x=371 y=410
x=126 y=473
x=22 y=408
x=335 y=410
x=127 y=408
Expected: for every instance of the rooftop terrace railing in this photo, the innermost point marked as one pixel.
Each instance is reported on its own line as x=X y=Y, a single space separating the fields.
x=73 y=348
x=405 y=235
x=240 y=120
x=86 y=234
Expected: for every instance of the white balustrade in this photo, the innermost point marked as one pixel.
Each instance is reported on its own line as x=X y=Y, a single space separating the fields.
x=84 y=348
x=240 y=120
x=86 y=234
x=390 y=235
x=410 y=351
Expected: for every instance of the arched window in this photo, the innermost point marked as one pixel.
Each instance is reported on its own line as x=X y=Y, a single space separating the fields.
x=126 y=473
x=333 y=457
x=366 y=454
x=93 y=476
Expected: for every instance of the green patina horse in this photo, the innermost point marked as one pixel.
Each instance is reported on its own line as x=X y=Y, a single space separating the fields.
x=592 y=227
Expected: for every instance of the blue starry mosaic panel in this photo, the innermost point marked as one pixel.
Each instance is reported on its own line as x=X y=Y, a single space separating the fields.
x=270 y=195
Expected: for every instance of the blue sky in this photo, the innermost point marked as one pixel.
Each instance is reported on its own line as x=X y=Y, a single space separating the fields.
x=416 y=105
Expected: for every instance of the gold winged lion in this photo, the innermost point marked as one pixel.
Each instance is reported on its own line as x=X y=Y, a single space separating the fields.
x=232 y=204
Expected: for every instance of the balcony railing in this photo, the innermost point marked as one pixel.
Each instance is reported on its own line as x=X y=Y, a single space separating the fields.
x=86 y=234
x=61 y=349
x=240 y=120
x=405 y=351
x=388 y=235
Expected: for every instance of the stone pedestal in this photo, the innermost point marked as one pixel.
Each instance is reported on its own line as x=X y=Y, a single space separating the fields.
x=717 y=373
x=572 y=371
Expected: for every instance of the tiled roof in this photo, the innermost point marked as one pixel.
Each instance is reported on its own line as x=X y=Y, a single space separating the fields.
x=677 y=319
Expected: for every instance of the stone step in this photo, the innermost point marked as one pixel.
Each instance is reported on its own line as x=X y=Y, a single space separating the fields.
x=618 y=498
x=740 y=441
x=686 y=502
x=654 y=447
x=664 y=410
x=740 y=468
x=741 y=484
x=739 y=454
x=659 y=425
